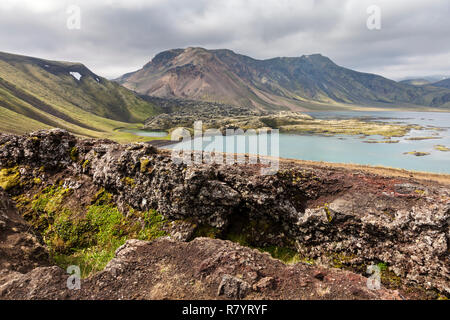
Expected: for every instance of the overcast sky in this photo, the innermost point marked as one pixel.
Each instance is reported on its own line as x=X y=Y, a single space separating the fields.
x=119 y=36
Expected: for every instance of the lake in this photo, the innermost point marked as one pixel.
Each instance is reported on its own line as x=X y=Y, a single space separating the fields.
x=144 y=133
x=352 y=149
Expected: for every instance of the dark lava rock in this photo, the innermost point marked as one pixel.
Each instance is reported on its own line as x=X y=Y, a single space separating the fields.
x=326 y=214
x=166 y=269
x=20 y=249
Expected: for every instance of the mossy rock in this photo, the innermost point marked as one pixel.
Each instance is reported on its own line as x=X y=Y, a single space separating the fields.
x=9 y=178
x=145 y=168
x=73 y=153
x=87 y=238
x=129 y=182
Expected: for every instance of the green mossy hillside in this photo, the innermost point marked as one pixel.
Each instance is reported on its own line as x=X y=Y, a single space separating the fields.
x=41 y=94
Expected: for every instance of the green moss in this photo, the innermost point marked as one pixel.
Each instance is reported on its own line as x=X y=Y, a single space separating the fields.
x=129 y=182
x=153 y=226
x=287 y=255
x=240 y=238
x=40 y=211
x=328 y=212
x=37 y=181
x=102 y=197
x=90 y=260
x=284 y=253
x=388 y=277
x=49 y=200
x=95 y=238
x=206 y=231
x=9 y=178
x=340 y=260
x=73 y=153
x=85 y=164
x=144 y=165
x=88 y=238
x=383 y=266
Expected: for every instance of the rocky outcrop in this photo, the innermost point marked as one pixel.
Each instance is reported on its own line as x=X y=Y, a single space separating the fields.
x=201 y=269
x=331 y=216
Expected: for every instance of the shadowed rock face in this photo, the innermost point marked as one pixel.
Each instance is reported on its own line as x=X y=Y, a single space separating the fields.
x=20 y=249
x=325 y=213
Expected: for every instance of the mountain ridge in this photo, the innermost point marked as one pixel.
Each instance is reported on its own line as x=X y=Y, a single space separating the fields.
x=279 y=83
x=39 y=94
x=443 y=83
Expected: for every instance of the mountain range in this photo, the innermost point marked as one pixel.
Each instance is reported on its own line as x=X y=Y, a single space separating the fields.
x=443 y=83
x=39 y=94
x=296 y=83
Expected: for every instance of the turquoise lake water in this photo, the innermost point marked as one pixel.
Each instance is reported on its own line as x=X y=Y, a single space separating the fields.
x=351 y=149
x=144 y=133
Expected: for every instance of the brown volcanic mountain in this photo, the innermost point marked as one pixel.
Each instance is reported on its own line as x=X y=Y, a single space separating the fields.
x=279 y=83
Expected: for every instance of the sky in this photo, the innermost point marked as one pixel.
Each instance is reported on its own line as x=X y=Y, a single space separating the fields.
x=114 y=37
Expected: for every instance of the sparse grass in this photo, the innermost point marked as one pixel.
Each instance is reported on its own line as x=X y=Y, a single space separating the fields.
x=206 y=231
x=288 y=256
x=240 y=238
x=285 y=254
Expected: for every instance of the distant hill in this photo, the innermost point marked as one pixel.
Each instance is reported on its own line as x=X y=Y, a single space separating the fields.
x=37 y=93
x=416 y=82
x=430 y=79
x=306 y=82
x=443 y=84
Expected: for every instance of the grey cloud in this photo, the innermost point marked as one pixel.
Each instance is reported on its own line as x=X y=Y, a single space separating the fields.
x=120 y=36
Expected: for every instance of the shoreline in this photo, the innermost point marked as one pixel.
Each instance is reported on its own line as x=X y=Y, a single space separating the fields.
x=443 y=178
